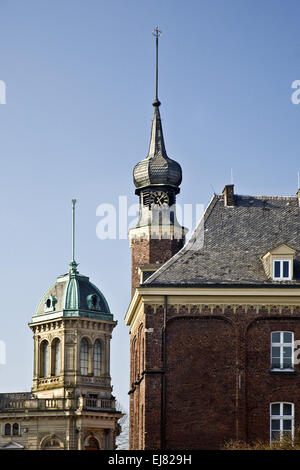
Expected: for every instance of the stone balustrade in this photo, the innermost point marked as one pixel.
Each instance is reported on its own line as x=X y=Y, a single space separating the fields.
x=82 y=403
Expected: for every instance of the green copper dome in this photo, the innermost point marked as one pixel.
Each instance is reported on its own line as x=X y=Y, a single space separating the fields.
x=73 y=295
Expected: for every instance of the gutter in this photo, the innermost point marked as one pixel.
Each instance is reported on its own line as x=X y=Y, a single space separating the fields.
x=220 y=285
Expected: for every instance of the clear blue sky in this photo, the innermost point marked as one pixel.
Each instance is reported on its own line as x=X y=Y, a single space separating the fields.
x=80 y=82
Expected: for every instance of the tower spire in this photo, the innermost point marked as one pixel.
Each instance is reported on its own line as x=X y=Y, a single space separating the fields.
x=156 y=33
x=73 y=265
x=157 y=144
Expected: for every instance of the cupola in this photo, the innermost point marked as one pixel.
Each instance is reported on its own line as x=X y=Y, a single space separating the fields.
x=72 y=295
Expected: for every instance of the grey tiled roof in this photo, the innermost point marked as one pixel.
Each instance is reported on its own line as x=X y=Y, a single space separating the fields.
x=234 y=240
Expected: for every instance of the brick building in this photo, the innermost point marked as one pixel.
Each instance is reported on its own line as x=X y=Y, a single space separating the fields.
x=213 y=324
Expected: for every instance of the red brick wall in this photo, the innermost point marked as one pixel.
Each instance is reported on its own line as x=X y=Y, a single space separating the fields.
x=200 y=383
x=151 y=251
x=263 y=386
x=218 y=380
x=137 y=389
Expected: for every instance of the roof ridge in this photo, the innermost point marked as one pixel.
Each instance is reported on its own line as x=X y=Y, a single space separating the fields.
x=264 y=197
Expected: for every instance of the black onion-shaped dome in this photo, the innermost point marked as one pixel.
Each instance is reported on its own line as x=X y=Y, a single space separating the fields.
x=157 y=169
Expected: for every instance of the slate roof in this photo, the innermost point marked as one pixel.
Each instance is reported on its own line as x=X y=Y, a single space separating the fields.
x=234 y=239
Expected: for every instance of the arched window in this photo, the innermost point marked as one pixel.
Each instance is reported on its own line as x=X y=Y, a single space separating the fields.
x=56 y=357
x=97 y=358
x=84 y=357
x=44 y=359
x=52 y=443
x=7 y=429
x=15 y=429
x=91 y=444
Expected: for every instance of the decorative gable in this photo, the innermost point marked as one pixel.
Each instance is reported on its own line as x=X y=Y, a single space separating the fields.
x=278 y=262
x=12 y=445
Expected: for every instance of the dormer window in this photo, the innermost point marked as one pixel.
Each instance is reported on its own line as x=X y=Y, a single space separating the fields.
x=146 y=270
x=50 y=303
x=278 y=263
x=93 y=302
x=281 y=270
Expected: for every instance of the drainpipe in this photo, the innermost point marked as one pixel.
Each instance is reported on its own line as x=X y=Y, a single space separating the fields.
x=163 y=385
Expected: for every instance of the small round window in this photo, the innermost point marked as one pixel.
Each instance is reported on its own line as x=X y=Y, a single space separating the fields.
x=48 y=303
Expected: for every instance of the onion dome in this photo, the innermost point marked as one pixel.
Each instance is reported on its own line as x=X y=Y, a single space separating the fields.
x=157 y=169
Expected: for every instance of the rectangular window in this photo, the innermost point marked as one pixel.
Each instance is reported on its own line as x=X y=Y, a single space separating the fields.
x=282 y=348
x=281 y=270
x=276 y=268
x=281 y=420
x=285 y=269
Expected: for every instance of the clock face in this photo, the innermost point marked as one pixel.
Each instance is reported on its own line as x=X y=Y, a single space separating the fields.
x=159 y=198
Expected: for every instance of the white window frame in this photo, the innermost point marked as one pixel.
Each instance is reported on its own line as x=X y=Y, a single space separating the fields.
x=282 y=345
x=281 y=417
x=281 y=277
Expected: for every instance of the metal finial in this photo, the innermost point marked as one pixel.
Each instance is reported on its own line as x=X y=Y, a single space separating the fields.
x=156 y=33
x=73 y=264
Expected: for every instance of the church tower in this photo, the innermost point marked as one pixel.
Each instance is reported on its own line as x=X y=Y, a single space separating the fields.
x=157 y=235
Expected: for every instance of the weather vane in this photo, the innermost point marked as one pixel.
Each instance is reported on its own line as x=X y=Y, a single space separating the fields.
x=156 y=33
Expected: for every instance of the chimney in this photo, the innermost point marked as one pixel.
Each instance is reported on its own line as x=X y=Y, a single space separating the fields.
x=228 y=193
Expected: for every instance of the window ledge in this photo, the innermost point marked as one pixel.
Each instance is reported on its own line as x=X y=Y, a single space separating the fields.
x=283 y=371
